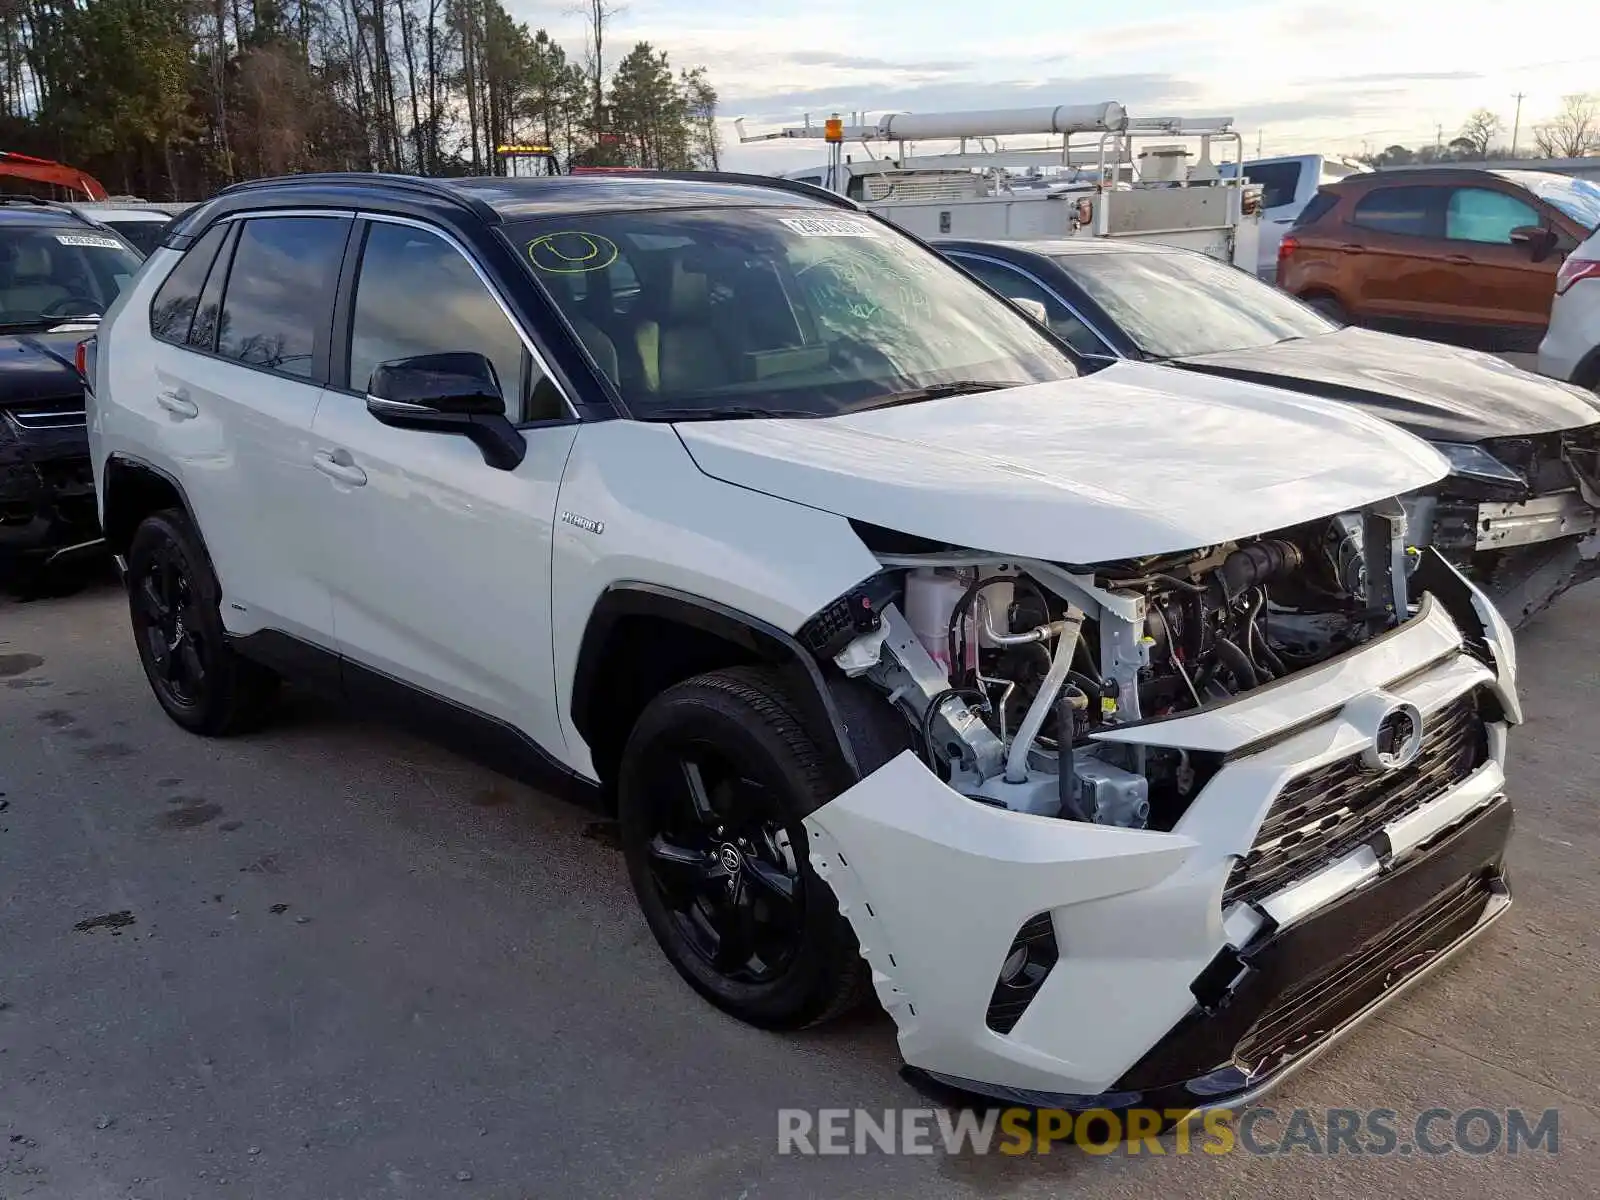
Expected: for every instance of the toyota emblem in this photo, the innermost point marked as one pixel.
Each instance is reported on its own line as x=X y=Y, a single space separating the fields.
x=1398 y=739
x=730 y=857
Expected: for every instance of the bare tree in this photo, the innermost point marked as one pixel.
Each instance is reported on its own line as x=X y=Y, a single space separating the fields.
x=1574 y=132
x=1478 y=132
x=597 y=15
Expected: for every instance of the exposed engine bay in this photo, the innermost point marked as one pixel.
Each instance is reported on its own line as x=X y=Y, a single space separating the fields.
x=1007 y=669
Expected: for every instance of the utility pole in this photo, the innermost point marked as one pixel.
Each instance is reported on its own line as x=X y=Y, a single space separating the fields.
x=1516 y=124
x=1438 y=139
x=1258 y=143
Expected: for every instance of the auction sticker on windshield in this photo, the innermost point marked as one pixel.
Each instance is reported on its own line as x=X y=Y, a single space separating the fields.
x=88 y=239
x=829 y=227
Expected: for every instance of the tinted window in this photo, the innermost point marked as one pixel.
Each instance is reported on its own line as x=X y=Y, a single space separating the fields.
x=1479 y=215
x=1178 y=304
x=802 y=310
x=280 y=291
x=144 y=236
x=172 y=310
x=1316 y=208
x=1014 y=285
x=1278 y=182
x=1399 y=210
x=401 y=263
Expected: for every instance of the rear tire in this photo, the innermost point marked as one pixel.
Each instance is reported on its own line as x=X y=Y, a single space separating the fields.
x=1329 y=307
x=173 y=601
x=715 y=781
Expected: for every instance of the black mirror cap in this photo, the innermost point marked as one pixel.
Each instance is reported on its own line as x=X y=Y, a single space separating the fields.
x=1537 y=238
x=461 y=383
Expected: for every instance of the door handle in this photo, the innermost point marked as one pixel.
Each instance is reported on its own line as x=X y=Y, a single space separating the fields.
x=178 y=405
x=337 y=464
x=1352 y=248
x=1460 y=260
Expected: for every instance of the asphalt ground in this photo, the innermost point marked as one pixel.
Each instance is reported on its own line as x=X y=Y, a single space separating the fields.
x=328 y=960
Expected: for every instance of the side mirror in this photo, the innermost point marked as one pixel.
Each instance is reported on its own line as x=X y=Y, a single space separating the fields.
x=448 y=393
x=1034 y=308
x=1537 y=238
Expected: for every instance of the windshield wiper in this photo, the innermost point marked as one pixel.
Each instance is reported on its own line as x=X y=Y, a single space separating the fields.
x=718 y=414
x=938 y=391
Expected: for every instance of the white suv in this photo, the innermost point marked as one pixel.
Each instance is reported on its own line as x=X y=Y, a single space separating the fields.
x=1571 y=346
x=1065 y=713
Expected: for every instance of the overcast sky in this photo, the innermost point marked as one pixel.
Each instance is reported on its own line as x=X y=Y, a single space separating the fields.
x=1306 y=75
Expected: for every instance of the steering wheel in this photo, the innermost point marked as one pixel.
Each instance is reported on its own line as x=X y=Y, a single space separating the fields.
x=84 y=305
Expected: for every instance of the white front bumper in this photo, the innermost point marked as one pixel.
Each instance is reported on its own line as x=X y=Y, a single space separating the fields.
x=936 y=885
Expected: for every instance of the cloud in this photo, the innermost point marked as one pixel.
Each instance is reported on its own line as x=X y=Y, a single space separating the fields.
x=1140 y=92
x=857 y=62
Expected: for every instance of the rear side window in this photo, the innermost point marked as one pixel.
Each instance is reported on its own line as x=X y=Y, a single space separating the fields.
x=1278 y=182
x=1316 y=208
x=172 y=311
x=280 y=291
x=1403 y=211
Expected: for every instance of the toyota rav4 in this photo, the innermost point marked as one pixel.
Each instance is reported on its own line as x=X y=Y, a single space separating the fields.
x=1103 y=727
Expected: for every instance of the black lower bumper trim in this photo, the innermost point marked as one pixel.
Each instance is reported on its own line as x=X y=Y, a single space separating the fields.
x=1306 y=985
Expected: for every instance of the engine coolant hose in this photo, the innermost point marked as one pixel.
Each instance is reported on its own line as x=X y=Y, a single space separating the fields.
x=1060 y=665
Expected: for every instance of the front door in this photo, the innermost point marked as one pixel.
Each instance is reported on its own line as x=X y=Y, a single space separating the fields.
x=1498 y=282
x=439 y=564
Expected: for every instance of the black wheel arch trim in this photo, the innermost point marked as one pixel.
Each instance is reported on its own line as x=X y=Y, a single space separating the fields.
x=628 y=598
x=123 y=461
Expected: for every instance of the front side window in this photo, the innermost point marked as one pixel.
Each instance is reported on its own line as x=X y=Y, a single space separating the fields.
x=1481 y=215
x=280 y=291
x=1178 y=304
x=1403 y=211
x=1014 y=285
x=416 y=295
x=51 y=274
x=793 y=311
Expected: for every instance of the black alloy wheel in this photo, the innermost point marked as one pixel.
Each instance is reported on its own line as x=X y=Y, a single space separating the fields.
x=716 y=780
x=173 y=599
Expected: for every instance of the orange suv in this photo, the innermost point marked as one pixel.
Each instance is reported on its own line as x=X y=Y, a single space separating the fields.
x=1455 y=254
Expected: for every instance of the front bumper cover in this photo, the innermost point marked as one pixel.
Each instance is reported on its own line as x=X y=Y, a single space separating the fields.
x=1299 y=991
x=1162 y=992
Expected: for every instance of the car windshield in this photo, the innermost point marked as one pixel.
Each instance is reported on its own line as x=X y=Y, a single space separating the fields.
x=1577 y=198
x=53 y=274
x=749 y=312
x=1178 y=304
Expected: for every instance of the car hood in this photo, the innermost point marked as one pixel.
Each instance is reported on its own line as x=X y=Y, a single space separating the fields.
x=1438 y=392
x=1134 y=460
x=38 y=366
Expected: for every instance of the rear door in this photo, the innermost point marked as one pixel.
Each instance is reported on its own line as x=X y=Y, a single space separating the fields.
x=1392 y=257
x=239 y=370
x=1497 y=281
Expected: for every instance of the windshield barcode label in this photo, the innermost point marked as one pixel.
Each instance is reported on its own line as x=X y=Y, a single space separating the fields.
x=827 y=227
x=88 y=239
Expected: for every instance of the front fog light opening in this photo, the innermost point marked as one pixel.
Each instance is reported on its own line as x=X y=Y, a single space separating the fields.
x=1027 y=964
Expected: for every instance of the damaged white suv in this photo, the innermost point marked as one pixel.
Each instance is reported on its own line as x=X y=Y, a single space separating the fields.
x=1104 y=727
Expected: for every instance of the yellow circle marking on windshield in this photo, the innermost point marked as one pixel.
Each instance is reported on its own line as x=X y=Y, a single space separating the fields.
x=578 y=252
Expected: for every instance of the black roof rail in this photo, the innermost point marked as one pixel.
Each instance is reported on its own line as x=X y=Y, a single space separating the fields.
x=775 y=182
x=417 y=184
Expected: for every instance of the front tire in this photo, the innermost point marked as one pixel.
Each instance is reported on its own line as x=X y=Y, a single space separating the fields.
x=173 y=601
x=716 y=779
x=1330 y=308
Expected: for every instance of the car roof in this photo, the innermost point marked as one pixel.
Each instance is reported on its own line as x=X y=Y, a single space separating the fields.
x=128 y=214
x=1413 y=175
x=510 y=198
x=493 y=200
x=38 y=215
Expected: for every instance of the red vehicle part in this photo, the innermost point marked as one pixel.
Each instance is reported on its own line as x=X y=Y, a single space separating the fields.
x=42 y=170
